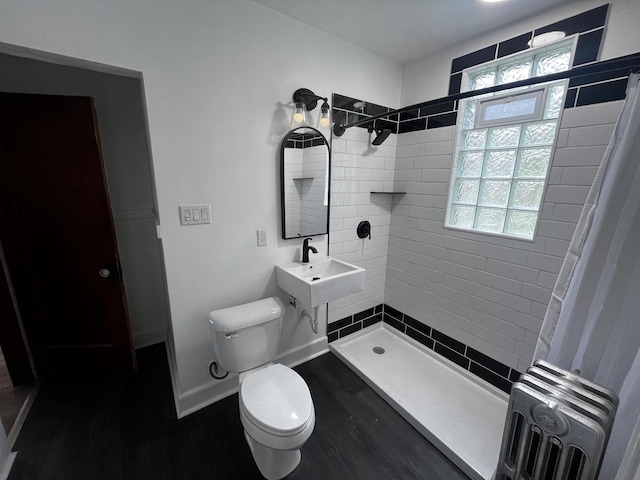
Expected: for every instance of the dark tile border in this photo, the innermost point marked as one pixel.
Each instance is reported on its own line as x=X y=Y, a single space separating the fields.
x=481 y=365
x=444 y=115
x=582 y=22
x=345 y=326
x=588 y=47
x=602 y=92
x=514 y=45
x=590 y=26
x=344 y=111
x=588 y=43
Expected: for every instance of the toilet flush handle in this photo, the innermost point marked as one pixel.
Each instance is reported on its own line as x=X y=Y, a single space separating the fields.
x=231 y=335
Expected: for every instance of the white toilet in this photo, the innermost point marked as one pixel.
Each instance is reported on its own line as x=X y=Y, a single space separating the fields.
x=276 y=409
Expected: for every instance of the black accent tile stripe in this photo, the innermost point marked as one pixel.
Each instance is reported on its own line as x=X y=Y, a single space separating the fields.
x=602 y=92
x=588 y=47
x=338 y=324
x=476 y=362
x=448 y=341
x=582 y=22
x=514 y=376
x=408 y=115
x=393 y=312
x=412 y=125
x=364 y=314
x=393 y=126
x=339 y=116
x=344 y=111
x=373 y=109
x=570 y=99
x=344 y=102
x=455 y=357
x=397 y=324
x=371 y=320
x=350 y=329
x=455 y=83
x=474 y=58
x=443 y=107
x=419 y=326
x=595 y=78
x=423 y=339
x=488 y=362
x=443 y=120
x=495 y=380
x=353 y=117
x=589 y=24
x=514 y=45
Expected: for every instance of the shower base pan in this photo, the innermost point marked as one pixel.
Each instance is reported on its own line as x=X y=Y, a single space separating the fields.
x=457 y=412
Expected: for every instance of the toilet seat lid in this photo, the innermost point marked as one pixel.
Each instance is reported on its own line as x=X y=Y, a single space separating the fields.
x=277 y=399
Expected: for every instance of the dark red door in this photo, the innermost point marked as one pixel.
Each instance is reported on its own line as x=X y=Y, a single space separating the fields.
x=58 y=237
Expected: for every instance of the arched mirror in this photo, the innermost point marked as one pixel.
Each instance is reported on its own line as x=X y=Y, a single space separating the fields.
x=304 y=170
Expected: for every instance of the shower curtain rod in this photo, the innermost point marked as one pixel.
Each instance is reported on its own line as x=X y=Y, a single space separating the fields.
x=627 y=63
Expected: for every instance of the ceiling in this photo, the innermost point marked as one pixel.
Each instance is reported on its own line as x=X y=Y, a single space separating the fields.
x=404 y=30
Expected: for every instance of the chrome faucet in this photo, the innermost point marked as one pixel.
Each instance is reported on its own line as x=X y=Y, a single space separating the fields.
x=305 y=250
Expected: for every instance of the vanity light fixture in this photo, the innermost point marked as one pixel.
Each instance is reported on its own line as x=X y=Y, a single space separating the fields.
x=305 y=101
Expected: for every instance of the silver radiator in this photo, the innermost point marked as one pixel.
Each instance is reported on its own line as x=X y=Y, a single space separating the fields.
x=557 y=426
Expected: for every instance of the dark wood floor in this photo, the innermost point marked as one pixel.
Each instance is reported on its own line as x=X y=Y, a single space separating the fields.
x=126 y=429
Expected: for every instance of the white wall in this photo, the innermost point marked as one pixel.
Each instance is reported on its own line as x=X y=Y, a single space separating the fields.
x=6 y=456
x=428 y=78
x=121 y=121
x=218 y=78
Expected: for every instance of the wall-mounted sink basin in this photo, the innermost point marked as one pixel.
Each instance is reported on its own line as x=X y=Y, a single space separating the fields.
x=319 y=282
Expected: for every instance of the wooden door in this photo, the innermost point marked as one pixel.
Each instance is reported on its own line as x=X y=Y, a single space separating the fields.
x=58 y=237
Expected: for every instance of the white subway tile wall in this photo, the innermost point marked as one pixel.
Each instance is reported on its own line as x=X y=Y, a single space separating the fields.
x=313 y=210
x=488 y=292
x=293 y=169
x=357 y=169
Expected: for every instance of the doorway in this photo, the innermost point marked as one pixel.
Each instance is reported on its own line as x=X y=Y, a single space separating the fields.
x=58 y=237
x=121 y=116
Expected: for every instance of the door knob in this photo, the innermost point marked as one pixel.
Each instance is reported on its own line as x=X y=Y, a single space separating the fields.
x=111 y=271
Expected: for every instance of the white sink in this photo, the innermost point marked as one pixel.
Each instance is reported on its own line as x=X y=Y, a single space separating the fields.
x=321 y=281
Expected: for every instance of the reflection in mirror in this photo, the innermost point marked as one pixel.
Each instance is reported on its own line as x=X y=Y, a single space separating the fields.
x=305 y=183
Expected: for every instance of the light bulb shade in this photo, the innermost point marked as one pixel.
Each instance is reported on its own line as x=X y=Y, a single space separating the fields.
x=299 y=117
x=324 y=119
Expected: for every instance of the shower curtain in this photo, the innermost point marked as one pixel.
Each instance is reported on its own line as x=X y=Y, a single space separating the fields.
x=592 y=323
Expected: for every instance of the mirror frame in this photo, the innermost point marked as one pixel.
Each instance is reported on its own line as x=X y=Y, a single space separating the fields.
x=282 y=180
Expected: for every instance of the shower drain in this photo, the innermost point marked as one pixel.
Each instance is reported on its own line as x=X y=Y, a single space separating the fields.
x=378 y=350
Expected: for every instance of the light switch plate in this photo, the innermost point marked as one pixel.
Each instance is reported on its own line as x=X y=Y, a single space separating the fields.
x=262 y=238
x=195 y=214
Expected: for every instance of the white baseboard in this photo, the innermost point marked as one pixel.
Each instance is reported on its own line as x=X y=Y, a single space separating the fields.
x=198 y=398
x=148 y=338
x=8 y=463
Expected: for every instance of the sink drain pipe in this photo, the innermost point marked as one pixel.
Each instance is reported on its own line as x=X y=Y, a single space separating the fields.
x=313 y=320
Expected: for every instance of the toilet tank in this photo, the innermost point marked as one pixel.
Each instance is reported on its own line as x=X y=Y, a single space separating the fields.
x=247 y=336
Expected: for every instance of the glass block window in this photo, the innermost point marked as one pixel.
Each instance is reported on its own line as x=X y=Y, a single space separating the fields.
x=504 y=144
